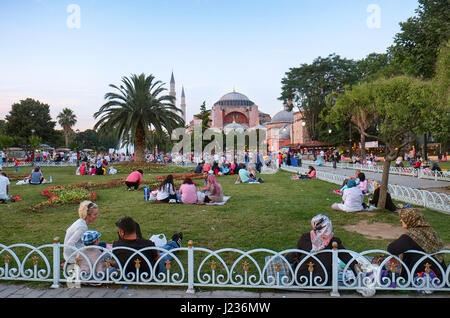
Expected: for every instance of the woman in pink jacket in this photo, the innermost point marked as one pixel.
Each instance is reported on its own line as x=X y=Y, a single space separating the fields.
x=134 y=179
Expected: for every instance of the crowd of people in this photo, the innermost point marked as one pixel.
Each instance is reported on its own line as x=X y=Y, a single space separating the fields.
x=82 y=247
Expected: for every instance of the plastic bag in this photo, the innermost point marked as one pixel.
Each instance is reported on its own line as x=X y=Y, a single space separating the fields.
x=159 y=239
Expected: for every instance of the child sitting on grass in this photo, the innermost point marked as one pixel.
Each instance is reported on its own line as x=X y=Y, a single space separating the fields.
x=92 y=255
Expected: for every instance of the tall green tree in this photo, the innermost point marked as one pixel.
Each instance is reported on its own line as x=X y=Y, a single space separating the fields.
x=90 y=139
x=358 y=104
x=402 y=106
x=67 y=119
x=27 y=115
x=416 y=46
x=136 y=108
x=307 y=87
x=2 y=126
x=440 y=117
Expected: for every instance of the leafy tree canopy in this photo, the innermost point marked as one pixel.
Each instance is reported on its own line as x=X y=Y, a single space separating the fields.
x=416 y=47
x=26 y=115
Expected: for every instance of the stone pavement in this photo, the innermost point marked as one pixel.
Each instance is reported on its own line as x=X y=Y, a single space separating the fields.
x=115 y=291
x=407 y=181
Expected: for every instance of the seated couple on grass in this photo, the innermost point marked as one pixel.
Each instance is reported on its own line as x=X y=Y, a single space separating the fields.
x=188 y=194
x=419 y=236
x=247 y=175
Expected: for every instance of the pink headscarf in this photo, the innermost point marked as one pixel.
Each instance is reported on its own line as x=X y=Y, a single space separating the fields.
x=322 y=232
x=211 y=180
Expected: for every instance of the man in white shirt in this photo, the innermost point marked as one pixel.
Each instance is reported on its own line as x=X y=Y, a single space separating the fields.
x=352 y=198
x=4 y=187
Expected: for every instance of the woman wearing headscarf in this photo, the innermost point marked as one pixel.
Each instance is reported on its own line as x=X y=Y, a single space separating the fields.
x=352 y=199
x=420 y=236
x=215 y=190
x=320 y=238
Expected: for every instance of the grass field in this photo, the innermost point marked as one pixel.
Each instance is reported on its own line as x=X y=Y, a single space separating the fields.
x=272 y=215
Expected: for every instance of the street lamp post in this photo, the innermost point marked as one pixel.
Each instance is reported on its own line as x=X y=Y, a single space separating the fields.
x=32 y=134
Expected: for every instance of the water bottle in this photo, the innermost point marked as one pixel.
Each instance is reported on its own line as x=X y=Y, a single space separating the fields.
x=51 y=179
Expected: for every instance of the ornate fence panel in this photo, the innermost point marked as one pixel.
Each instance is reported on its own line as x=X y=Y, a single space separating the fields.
x=432 y=200
x=402 y=171
x=227 y=268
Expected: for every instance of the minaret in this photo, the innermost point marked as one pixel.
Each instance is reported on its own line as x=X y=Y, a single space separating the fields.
x=172 y=86
x=183 y=104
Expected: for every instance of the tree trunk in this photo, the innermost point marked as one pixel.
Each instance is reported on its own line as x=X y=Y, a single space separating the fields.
x=139 y=145
x=66 y=137
x=363 y=148
x=384 y=185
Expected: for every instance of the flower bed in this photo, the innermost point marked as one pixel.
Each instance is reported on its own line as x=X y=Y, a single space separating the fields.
x=74 y=193
x=61 y=195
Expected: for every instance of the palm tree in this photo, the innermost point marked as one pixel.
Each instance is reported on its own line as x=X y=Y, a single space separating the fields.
x=138 y=107
x=67 y=119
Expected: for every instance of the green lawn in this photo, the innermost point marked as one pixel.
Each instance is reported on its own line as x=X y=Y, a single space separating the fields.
x=271 y=215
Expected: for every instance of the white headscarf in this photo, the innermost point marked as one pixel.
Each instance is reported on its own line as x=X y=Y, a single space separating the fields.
x=322 y=232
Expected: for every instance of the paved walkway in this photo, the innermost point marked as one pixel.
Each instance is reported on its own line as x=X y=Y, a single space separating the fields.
x=115 y=291
x=406 y=181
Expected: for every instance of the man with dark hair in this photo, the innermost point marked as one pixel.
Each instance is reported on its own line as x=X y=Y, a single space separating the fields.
x=130 y=237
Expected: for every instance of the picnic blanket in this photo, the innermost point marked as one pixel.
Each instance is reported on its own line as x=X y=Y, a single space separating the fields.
x=22 y=182
x=225 y=199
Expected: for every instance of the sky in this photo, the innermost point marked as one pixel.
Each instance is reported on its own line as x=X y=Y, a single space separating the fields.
x=67 y=53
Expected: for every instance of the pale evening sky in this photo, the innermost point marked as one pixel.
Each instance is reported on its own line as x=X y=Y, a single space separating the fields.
x=50 y=53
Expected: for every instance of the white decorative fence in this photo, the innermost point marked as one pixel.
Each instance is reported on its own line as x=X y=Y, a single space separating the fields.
x=402 y=171
x=228 y=268
x=432 y=200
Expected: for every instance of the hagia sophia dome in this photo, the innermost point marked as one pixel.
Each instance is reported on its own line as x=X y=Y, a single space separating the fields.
x=234 y=99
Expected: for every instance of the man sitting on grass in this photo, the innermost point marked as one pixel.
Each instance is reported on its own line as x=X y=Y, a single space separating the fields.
x=128 y=238
x=245 y=177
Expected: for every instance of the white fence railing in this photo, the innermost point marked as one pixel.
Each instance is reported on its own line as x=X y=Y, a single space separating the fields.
x=402 y=171
x=227 y=268
x=432 y=200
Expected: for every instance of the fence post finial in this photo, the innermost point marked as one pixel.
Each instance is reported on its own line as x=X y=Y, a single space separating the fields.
x=56 y=262
x=335 y=265
x=190 y=289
